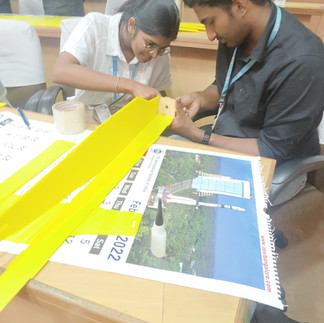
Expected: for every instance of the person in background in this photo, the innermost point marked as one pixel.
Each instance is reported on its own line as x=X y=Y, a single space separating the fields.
x=269 y=86
x=64 y=7
x=5 y=6
x=112 y=59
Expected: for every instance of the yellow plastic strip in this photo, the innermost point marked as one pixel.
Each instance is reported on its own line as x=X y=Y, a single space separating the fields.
x=7 y=203
x=99 y=221
x=2 y=104
x=27 y=234
x=31 y=169
x=38 y=21
x=306 y=6
x=81 y=165
x=55 y=22
x=191 y=27
x=110 y=222
x=132 y=146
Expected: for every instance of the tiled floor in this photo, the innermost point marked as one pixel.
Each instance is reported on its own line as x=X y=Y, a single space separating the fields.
x=301 y=263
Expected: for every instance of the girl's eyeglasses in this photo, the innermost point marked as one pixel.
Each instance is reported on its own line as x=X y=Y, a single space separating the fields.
x=152 y=48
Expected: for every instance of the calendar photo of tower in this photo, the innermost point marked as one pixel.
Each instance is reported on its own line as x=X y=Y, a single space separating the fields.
x=201 y=219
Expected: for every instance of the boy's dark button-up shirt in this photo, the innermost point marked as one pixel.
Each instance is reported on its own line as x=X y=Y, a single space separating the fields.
x=280 y=99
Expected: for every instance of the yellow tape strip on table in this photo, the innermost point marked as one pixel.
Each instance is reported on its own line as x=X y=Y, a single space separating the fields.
x=99 y=222
x=31 y=169
x=105 y=157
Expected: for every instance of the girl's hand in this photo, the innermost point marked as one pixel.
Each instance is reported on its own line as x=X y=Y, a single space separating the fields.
x=144 y=91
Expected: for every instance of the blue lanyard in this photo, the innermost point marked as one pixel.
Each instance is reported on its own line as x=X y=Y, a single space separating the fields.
x=245 y=68
x=115 y=72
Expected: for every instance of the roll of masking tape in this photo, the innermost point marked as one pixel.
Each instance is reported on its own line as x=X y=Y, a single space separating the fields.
x=69 y=117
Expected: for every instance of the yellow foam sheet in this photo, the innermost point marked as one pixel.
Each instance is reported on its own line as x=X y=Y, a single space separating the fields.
x=105 y=156
x=81 y=165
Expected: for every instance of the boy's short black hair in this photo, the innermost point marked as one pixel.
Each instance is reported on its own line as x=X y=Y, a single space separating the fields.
x=218 y=3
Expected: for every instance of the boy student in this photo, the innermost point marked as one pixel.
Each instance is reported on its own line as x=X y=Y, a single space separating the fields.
x=110 y=59
x=269 y=88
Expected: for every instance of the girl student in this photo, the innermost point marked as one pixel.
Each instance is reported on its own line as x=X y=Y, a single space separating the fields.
x=110 y=59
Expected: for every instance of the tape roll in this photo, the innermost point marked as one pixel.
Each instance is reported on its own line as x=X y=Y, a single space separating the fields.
x=69 y=117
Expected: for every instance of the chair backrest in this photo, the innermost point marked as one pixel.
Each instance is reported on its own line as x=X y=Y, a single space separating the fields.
x=67 y=26
x=21 y=62
x=3 y=94
x=5 y=6
x=31 y=7
x=321 y=131
x=64 y=8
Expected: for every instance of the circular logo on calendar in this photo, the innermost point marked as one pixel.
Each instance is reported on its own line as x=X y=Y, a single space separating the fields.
x=157 y=151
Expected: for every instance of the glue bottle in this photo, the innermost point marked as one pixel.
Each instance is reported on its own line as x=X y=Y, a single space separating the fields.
x=158 y=234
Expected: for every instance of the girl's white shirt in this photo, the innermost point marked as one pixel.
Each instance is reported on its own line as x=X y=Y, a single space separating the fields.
x=94 y=41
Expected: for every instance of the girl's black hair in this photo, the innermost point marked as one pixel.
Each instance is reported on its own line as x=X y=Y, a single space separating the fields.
x=153 y=17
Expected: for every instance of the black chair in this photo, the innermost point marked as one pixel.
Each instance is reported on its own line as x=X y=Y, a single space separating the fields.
x=304 y=200
x=21 y=68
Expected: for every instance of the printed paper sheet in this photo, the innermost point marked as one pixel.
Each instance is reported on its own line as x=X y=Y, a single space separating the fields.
x=217 y=235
